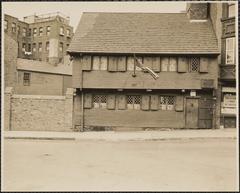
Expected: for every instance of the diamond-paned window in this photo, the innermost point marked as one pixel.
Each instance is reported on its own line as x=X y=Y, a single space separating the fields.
x=166 y=102
x=133 y=102
x=99 y=101
x=194 y=64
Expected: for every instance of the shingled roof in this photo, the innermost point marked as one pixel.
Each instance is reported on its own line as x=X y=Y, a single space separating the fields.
x=158 y=33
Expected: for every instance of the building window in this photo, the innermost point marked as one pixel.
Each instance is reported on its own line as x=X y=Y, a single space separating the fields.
x=14 y=27
x=34 y=47
x=231 y=10
x=100 y=101
x=29 y=48
x=48 y=30
x=40 y=31
x=61 y=32
x=68 y=33
x=61 y=47
x=230 y=50
x=133 y=102
x=100 y=63
x=23 y=47
x=47 y=46
x=40 y=47
x=169 y=64
x=194 y=64
x=26 y=79
x=18 y=29
x=29 y=32
x=24 y=32
x=34 y=32
x=5 y=24
x=166 y=102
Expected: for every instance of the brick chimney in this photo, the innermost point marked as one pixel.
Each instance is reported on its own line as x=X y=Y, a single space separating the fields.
x=197 y=11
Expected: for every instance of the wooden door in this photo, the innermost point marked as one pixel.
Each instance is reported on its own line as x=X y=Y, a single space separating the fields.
x=191 y=113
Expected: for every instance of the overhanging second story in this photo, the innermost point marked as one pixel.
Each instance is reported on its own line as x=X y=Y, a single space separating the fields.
x=109 y=49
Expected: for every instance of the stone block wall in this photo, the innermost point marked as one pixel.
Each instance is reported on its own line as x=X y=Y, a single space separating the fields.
x=38 y=112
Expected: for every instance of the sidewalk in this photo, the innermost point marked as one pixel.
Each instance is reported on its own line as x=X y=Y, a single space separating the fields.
x=129 y=136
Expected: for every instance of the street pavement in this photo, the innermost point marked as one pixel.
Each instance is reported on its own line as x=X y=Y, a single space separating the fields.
x=197 y=164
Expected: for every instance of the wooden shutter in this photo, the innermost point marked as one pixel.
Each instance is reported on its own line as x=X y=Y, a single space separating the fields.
x=87 y=101
x=121 y=102
x=156 y=64
x=148 y=62
x=164 y=63
x=182 y=64
x=154 y=102
x=122 y=64
x=87 y=63
x=111 y=101
x=112 y=64
x=179 y=103
x=77 y=73
x=203 y=64
x=145 y=102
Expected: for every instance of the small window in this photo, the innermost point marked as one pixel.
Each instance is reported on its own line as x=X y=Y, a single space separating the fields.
x=34 y=32
x=169 y=64
x=100 y=101
x=230 y=51
x=61 y=47
x=29 y=48
x=26 y=79
x=18 y=29
x=5 y=24
x=68 y=33
x=194 y=64
x=48 y=30
x=231 y=10
x=130 y=63
x=47 y=46
x=14 y=27
x=133 y=102
x=100 y=63
x=23 y=47
x=24 y=32
x=40 y=31
x=166 y=102
x=40 y=47
x=34 y=47
x=30 y=32
x=61 y=32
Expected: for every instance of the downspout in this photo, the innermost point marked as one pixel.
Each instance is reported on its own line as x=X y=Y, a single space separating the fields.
x=82 y=95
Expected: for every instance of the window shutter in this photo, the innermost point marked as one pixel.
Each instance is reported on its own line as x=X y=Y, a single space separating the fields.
x=87 y=63
x=164 y=63
x=88 y=101
x=121 y=102
x=156 y=64
x=154 y=102
x=122 y=64
x=145 y=102
x=112 y=65
x=179 y=103
x=111 y=102
x=182 y=64
x=203 y=64
x=148 y=62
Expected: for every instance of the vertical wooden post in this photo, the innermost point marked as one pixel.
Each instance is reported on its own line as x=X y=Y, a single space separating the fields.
x=134 y=69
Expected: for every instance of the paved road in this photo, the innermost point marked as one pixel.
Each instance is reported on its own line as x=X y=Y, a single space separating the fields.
x=38 y=165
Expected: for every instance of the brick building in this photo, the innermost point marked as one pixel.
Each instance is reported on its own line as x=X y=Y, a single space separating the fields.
x=110 y=52
x=40 y=37
x=223 y=19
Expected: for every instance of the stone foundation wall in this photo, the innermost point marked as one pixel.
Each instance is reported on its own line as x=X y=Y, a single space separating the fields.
x=38 y=112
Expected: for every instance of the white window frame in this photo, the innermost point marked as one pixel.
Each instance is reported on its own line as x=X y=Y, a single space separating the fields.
x=40 y=48
x=134 y=105
x=164 y=103
x=48 y=30
x=61 y=31
x=34 y=32
x=231 y=10
x=230 y=49
x=40 y=31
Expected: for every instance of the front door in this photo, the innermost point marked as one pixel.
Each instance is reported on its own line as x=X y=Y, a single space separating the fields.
x=192 y=113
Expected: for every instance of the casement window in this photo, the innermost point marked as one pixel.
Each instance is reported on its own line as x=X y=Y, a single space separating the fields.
x=130 y=63
x=40 y=46
x=40 y=31
x=169 y=64
x=34 y=32
x=48 y=30
x=61 y=31
x=5 y=24
x=26 y=79
x=133 y=102
x=34 y=47
x=23 y=47
x=68 y=33
x=99 y=63
x=24 y=32
x=61 y=47
x=47 y=46
x=194 y=64
x=166 y=102
x=100 y=101
x=231 y=9
x=230 y=50
x=14 y=27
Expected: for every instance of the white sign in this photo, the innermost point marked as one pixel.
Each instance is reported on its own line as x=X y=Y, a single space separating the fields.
x=193 y=93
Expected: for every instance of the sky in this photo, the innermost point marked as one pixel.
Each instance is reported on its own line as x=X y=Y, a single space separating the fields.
x=75 y=9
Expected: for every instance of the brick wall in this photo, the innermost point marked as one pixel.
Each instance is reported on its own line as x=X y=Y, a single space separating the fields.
x=38 y=112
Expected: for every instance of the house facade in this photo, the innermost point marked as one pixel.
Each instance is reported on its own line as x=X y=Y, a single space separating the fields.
x=112 y=91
